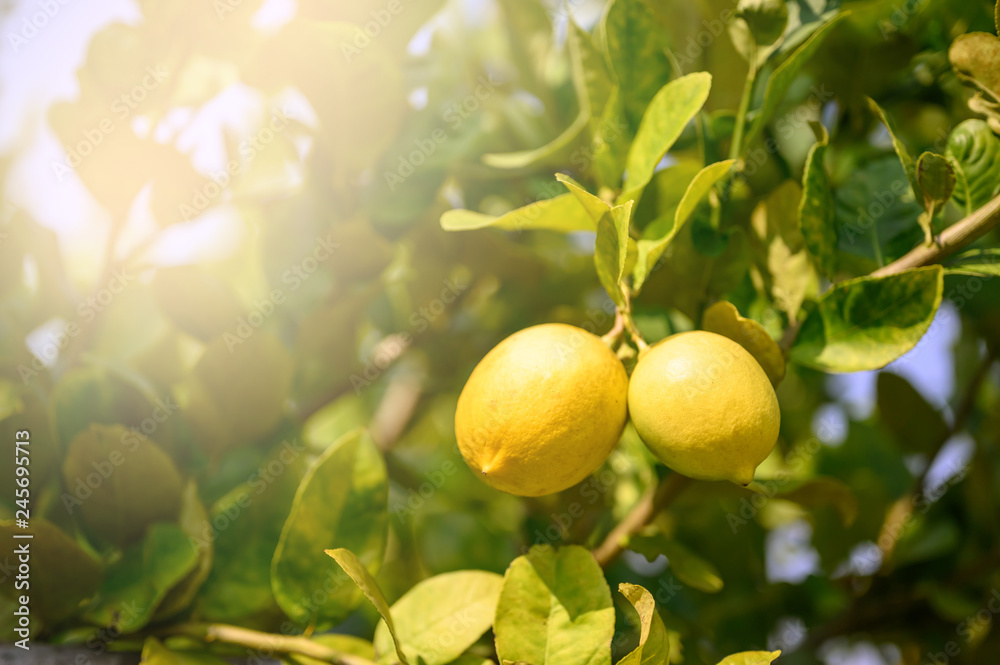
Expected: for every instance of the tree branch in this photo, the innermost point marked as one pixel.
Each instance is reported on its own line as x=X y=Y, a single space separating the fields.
x=267 y=643
x=953 y=238
x=652 y=502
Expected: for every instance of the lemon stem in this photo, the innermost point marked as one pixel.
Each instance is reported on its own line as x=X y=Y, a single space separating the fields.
x=612 y=337
x=633 y=331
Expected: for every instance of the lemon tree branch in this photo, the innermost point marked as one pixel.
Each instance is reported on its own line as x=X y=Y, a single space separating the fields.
x=649 y=506
x=265 y=642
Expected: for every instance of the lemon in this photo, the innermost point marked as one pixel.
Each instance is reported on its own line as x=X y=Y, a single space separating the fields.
x=704 y=406
x=542 y=410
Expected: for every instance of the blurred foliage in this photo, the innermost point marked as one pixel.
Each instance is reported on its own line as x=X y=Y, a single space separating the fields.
x=203 y=426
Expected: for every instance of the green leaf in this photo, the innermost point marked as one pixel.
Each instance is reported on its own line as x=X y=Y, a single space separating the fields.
x=780 y=81
x=611 y=250
x=975 y=150
x=238 y=390
x=343 y=502
x=673 y=107
x=984 y=262
x=936 y=178
x=561 y=213
x=198 y=302
x=594 y=206
x=816 y=212
x=699 y=189
x=590 y=72
x=723 y=318
x=661 y=232
x=154 y=653
x=524 y=158
x=555 y=609
x=441 y=617
x=345 y=644
x=766 y=19
x=915 y=424
x=866 y=323
x=690 y=568
x=636 y=48
x=358 y=572
x=904 y=155
x=192 y=518
x=63 y=574
x=121 y=482
x=654 y=642
x=244 y=528
x=751 y=658
x=135 y=585
x=825 y=491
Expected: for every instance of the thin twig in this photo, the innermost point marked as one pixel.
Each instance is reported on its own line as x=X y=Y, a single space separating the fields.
x=265 y=642
x=612 y=336
x=953 y=238
x=652 y=502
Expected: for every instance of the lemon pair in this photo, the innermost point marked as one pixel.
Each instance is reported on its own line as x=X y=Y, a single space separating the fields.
x=546 y=406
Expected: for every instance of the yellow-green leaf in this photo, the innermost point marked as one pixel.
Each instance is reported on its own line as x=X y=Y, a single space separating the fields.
x=668 y=114
x=611 y=250
x=342 y=502
x=560 y=213
x=785 y=74
x=723 y=318
x=750 y=658
x=358 y=572
x=866 y=323
x=555 y=609
x=816 y=212
x=654 y=642
x=461 y=603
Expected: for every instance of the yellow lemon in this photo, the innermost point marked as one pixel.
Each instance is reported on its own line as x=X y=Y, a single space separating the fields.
x=542 y=410
x=704 y=406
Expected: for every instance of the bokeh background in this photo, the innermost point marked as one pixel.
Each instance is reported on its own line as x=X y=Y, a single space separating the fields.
x=221 y=227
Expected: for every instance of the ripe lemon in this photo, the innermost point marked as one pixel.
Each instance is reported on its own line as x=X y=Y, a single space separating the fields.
x=704 y=406
x=542 y=410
